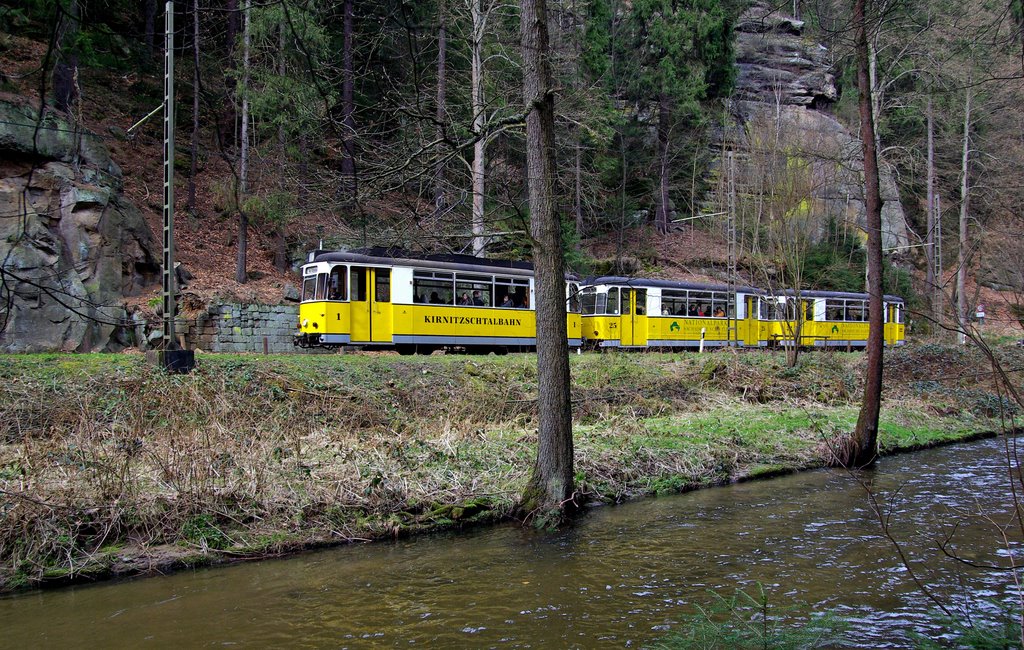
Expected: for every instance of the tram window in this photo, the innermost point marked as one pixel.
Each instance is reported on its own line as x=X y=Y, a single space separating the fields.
x=588 y=301
x=473 y=290
x=433 y=287
x=321 y=286
x=899 y=313
x=720 y=304
x=627 y=308
x=641 y=301
x=673 y=303
x=309 y=288
x=337 y=288
x=834 y=310
x=612 y=306
x=358 y=284
x=773 y=309
x=382 y=286
x=700 y=303
x=515 y=289
x=573 y=301
x=855 y=311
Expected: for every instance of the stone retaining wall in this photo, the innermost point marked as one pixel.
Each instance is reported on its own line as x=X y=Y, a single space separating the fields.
x=244 y=328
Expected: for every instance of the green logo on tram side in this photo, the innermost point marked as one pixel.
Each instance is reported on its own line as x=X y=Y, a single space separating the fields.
x=835 y=329
x=674 y=327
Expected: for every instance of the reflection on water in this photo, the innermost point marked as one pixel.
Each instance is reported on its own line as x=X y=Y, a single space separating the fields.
x=623 y=577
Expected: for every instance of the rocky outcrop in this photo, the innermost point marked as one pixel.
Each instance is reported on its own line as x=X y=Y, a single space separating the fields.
x=784 y=90
x=71 y=246
x=776 y=63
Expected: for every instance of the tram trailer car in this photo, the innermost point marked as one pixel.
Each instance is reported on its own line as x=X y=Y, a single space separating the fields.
x=636 y=313
x=626 y=312
x=374 y=300
x=831 y=319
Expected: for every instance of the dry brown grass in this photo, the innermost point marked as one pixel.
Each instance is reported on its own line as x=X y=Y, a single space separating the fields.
x=108 y=466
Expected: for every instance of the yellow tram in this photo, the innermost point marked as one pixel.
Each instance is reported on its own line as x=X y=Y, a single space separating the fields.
x=371 y=299
x=830 y=319
x=634 y=313
x=640 y=313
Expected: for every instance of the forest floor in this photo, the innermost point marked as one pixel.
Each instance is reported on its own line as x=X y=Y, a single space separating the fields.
x=109 y=468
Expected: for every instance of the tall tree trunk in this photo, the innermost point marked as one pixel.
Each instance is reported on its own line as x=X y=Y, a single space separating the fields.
x=478 y=107
x=149 y=9
x=876 y=94
x=227 y=127
x=348 y=109
x=279 y=242
x=863 y=444
x=577 y=200
x=550 y=489
x=243 y=171
x=65 y=72
x=931 y=281
x=441 y=115
x=664 y=125
x=963 y=252
x=194 y=164
x=282 y=71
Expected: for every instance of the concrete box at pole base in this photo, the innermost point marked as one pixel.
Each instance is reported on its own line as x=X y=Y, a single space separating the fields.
x=173 y=361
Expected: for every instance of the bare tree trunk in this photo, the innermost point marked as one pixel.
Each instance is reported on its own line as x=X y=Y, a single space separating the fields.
x=227 y=126
x=194 y=164
x=478 y=107
x=231 y=33
x=150 y=28
x=65 y=72
x=963 y=252
x=863 y=444
x=280 y=243
x=930 y=280
x=243 y=171
x=348 y=109
x=876 y=94
x=577 y=201
x=664 y=124
x=282 y=70
x=441 y=116
x=548 y=495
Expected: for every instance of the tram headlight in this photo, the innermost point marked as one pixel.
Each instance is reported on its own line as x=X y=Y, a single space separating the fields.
x=305 y=322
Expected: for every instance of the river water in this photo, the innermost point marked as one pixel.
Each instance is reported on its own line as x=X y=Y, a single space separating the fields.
x=623 y=577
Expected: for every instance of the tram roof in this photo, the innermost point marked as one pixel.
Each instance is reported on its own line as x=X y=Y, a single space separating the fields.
x=665 y=284
x=446 y=261
x=850 y=295
x=393 y=257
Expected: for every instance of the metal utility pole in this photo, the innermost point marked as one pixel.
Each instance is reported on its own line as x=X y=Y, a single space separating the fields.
x=168 y=258
x=937 y=300
x=172 y=358
x=731 y=228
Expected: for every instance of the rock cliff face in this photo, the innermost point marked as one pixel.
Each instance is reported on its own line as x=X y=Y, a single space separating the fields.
x=71 y=246
x=784 y=89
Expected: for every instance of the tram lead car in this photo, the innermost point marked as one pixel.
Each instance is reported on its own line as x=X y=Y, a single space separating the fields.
x=377 y=300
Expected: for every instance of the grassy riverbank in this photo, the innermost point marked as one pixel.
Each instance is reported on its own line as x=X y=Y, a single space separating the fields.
x=108 y=467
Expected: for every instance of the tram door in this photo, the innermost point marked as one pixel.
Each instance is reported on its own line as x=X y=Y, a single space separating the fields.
x=633 y=321
x=889 y=326
x=751 y=327
x=371 y=305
